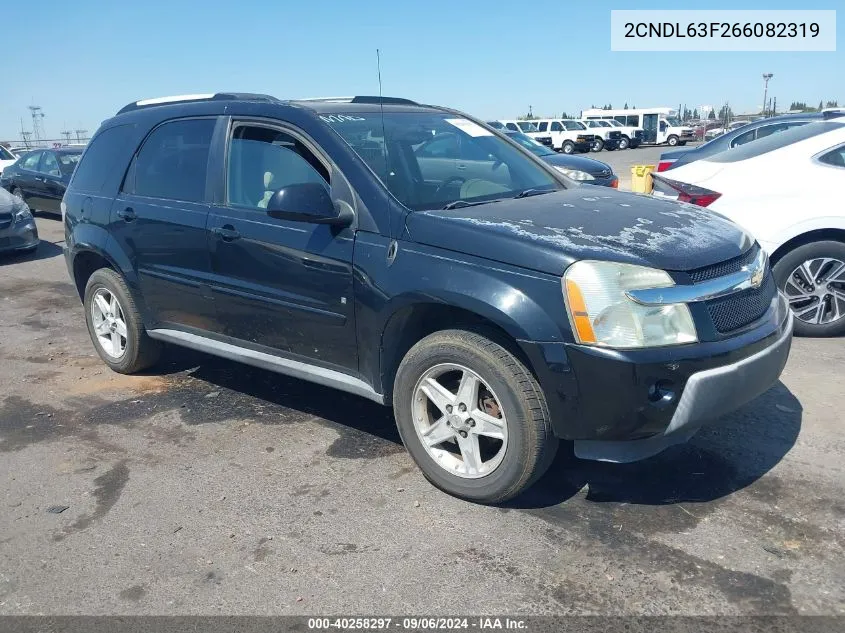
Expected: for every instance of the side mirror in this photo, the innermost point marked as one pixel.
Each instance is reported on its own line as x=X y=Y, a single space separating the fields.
x=307 y=202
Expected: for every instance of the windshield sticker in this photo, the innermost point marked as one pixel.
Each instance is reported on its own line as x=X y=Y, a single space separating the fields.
x=470 y=127
x=340 y=118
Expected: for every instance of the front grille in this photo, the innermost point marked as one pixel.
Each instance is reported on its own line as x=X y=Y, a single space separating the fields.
x=615 y=135
x=727 y=267
x=740 y=309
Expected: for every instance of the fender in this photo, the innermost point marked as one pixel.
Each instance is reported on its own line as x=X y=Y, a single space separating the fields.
x=792 y=231
x=526 y=305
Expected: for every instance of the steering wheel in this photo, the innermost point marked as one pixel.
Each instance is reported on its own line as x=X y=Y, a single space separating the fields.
x=447 y=182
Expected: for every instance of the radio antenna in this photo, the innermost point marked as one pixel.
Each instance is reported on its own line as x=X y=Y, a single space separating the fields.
x=384 y=142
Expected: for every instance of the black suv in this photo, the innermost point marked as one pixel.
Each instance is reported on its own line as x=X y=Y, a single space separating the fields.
x=497 y=305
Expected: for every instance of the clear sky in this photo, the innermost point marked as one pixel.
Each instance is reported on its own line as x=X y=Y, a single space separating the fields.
x=82 y=60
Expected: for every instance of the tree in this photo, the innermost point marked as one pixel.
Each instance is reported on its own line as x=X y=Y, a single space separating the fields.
x=695 y=114
x=564 y=115
x=831 y=104
x=821 y=106
x=712 y=115
x=626 y=106
x=725 y=113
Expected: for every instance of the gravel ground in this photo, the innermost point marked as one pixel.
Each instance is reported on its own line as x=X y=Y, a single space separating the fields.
x=207 y=487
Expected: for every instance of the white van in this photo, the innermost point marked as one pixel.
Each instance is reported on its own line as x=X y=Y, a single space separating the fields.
x=659 y=125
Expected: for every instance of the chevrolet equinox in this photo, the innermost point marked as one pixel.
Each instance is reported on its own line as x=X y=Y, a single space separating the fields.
x=413 y=255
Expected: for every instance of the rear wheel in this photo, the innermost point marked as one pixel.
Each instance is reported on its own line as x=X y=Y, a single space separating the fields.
x=598 y=145
x=472 y=416
x=624 y=142
x=568 y=147
x=672 y=140
x=812 y=277
x=115 y=325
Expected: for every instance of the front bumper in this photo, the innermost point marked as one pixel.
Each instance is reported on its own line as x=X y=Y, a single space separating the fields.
x=21 y=236
x=626 y=405
x=583 y=146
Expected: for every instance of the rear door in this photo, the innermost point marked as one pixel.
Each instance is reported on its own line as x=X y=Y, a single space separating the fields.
x=281 y=284
x=159 y=220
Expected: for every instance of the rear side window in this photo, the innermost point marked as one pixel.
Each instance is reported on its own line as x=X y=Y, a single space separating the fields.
x=774 y=142
x=556 y=126
x=173 y=162
x=98 y=161
x=49 y=164
x=543 y=126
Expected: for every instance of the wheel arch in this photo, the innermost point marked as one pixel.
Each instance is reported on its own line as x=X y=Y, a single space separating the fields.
x=807 y=237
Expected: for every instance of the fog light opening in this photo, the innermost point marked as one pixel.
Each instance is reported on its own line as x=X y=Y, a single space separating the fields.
x=661 y=392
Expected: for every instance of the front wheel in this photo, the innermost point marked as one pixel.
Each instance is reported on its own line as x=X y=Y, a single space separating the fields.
x=568 y=147
x=598 y=145
x=812 y=277
x=672 y=140
x=472 y=416
x=624 y=142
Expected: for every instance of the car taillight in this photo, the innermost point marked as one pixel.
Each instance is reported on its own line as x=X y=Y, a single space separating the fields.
x=692 y=193
x=663 y=165
x=615 y=183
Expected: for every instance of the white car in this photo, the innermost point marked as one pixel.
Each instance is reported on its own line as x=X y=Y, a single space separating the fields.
x=568 y=136
x=786 y=190
x=6 y=158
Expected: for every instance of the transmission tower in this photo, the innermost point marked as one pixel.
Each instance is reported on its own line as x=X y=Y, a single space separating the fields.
x=66 y=134
x=80 y=134
x=37 y=126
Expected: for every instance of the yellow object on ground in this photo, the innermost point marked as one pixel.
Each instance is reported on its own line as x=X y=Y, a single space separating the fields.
x=641 y=178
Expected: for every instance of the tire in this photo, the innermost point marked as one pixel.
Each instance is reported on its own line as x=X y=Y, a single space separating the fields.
x=624 y=142
x=140 y=351
x=672 y=140
x=597 y=146
x=787 y=266
x=530 y=444
x=568 y=147
x=682 y=143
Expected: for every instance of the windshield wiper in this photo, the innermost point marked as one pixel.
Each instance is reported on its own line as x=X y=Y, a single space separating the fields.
x=460 y=204
x=532 y=192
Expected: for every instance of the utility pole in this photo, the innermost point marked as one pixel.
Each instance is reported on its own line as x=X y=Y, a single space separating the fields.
x=79 y=134
x=66 y=134
x=775 y=107
x=766 y=77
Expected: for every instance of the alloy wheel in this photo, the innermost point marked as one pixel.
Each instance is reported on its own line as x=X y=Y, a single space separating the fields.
x=109 y=323
x=816 y=291
x=459 y=421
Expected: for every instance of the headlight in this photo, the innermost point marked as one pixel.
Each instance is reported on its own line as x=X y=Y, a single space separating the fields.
x=602 y=314
x=22 y=215
x=575 y=174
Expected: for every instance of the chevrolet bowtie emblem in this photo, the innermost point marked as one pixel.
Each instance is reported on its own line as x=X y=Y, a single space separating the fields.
x=757 y=276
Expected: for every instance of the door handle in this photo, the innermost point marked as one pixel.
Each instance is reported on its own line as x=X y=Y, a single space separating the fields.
x=460 y=166
x=128 y=214
x=227 y=233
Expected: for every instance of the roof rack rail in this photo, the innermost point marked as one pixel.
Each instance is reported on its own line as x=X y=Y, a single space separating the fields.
x=832 y=113
x=363 y=99
x=219 y=96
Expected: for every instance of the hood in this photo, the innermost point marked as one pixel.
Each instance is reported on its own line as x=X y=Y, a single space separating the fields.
x=570 y=161
x=551 y=231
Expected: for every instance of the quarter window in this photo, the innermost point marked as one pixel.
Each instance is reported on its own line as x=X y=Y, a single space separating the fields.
x=834 y=157
x=262 y=160
x=109 y=150
x=542 y=127
x=173 y=162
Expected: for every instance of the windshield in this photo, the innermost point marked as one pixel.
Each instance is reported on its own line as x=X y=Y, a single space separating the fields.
x=574 y=125
x=432 y=159
x=530 y=144
x=527 y=126
x=673 y=121
x=6 y=154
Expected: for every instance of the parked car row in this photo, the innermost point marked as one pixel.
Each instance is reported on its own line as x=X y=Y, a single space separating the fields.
x=781 y=179
x=40 y=177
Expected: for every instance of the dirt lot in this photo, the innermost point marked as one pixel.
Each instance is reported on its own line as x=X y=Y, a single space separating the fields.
x=208 y=487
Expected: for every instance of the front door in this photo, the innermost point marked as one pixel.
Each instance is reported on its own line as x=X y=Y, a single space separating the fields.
x=159 y=219
x=650 y=128
x=280 y=284
x=28 y=179
x=51 y=188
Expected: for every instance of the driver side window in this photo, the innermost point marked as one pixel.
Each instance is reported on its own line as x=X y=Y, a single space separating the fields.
x=263 y=160
x=443 y=146
x=556 y=126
